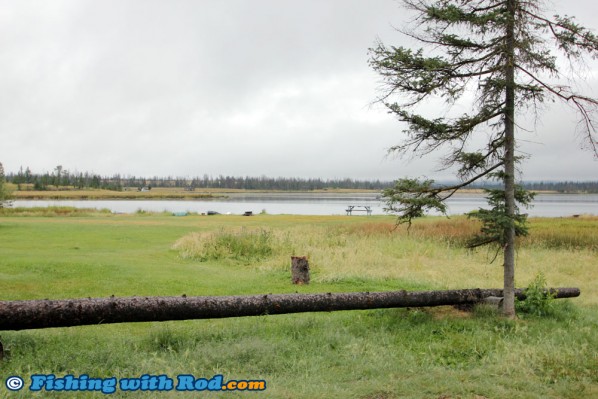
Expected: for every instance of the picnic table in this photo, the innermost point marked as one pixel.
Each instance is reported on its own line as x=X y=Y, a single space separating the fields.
x=359 y=208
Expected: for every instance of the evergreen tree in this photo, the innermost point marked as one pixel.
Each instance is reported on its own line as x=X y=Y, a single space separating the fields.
x=4 y=192
x=28 y=175
x=501 y=51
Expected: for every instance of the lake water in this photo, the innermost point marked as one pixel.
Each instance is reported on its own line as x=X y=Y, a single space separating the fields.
x=549 y=205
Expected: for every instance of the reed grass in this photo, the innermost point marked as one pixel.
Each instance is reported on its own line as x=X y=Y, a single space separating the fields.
x=431 y=253
x=246 y=246
x=130 y=193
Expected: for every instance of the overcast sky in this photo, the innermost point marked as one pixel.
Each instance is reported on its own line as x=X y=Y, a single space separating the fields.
x=231 y=87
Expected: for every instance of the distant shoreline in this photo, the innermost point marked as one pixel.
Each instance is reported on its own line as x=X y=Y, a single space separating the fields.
x=157 y=194
x=182 y=194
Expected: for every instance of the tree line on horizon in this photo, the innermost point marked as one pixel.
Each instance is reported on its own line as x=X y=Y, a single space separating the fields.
x=25 y=179
x=61 y=178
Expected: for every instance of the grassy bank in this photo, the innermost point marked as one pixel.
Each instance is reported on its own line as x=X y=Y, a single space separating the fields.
x=357 y=354
x=27 y=192
x=128 y=193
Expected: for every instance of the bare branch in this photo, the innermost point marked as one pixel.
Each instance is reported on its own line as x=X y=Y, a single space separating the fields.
x=580 y=102
x=453 y=189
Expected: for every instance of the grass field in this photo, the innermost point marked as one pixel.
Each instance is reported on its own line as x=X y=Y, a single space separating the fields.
x=377 y=354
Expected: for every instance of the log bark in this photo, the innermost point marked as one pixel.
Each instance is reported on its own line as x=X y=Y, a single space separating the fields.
x=299 y=270
x=34 y=314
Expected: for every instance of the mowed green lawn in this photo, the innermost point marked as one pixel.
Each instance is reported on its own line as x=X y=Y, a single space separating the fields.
x=377 y=354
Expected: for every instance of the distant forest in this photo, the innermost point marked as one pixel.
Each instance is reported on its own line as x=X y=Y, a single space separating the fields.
x=60 y=178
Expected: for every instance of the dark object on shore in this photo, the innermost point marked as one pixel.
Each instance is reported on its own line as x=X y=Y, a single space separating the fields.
x=248 y=213
x=23 y=315
x=358 y=208
x=299 y=270
x=210 y=213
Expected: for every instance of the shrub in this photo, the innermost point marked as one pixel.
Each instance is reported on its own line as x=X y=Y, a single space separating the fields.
x=538 y=301
x=243 y=245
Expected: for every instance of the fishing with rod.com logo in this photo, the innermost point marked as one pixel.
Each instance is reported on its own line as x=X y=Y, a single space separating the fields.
x=145 y=382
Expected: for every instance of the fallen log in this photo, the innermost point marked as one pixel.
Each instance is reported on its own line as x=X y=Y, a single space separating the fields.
x=33 y=314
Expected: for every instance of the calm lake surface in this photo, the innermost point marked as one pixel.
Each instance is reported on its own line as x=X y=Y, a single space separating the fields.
x=549 y=205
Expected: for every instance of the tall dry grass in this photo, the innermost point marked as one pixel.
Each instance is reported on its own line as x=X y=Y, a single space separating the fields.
x=430 y=254
x=156 y=193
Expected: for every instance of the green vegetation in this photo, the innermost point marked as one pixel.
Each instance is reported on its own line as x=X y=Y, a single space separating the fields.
x=4 y=192
x=247 y=246
x=538 y=302
x=52 y=211
x=63 y=180
x=417 y=353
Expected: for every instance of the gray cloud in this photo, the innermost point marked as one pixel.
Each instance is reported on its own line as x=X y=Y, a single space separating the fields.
x=263 y=87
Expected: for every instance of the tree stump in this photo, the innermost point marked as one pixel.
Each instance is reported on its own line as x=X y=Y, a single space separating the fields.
x=299 y=270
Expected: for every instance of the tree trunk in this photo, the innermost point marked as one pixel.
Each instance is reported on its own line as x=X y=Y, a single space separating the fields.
x=299 y=270
x=22 y=315
x=509 y=168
